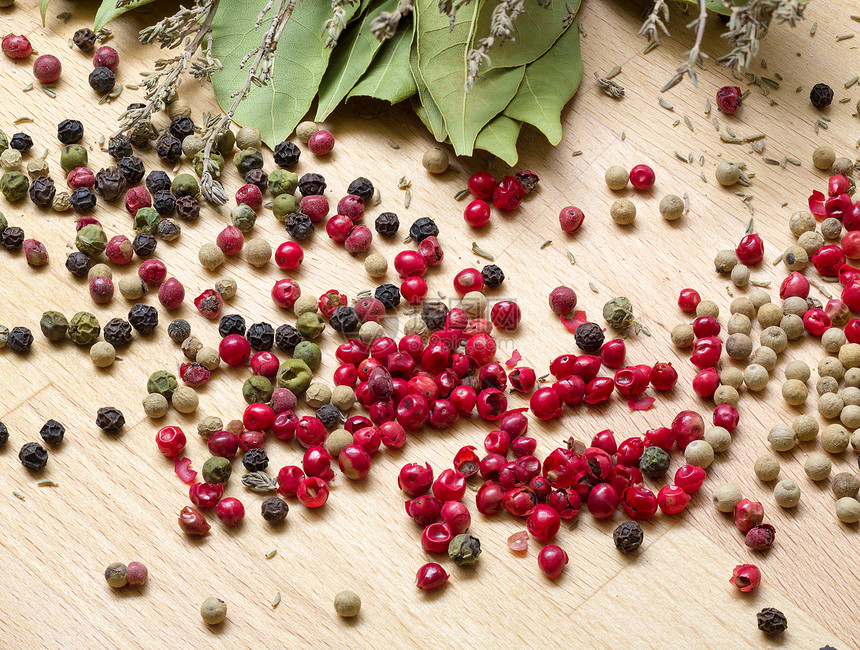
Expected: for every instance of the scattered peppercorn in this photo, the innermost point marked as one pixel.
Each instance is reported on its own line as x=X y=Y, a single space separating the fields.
x=274 y=510
x=344 y=320
x=821 y=95
x=110 y=419
x=423 y=228
x=286 y=154
x=85 y=39
x=20 y=339
x=361 y=187
x=287 y=338
x=33 y=456
x=231 y=324
x=102 y=80
x=21 y=142
x=493 y=276
x=387 y=224
x=589 y=337
x=70 y=131
x=52 y=432
x=255 y=460
x=54 y=325
x=179 y=330
x=628 y=536
x=213 y=611
x=261 y=336
x=299 y=226
x=771 y=621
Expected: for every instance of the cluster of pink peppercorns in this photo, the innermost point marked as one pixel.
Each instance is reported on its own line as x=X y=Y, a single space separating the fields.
x=345 y=227
x=505 y=195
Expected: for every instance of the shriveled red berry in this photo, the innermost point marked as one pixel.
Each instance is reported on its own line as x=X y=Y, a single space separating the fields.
x=17 y=46
x=750 y=250
x=570 y=218
x=729 y=99
x=170 y=441
x=250 y=195
x=508 y=194
x=152 y=272
x=746 y=577
x=230 y=240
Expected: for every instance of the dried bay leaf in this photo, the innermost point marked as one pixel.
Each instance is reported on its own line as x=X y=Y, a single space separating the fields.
x=499 y=137
x=389 y=77
x=108 y=11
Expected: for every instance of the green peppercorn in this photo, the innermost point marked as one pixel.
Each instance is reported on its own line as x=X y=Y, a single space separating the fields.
x=226 y=142
x=4 y=142
x=464 y=549
x=618 y=312
x=282 y=181
x=5 y=224
x=295 y=375
x=163 y=383
x=14 y=186
x=84 y=328
x=347 y=604
x=216 y=163
x=310 y=324
x=248 y=159
x=4 y=336
x=654 y=462
x=308 y=352
x=72 y=156
x=91 y=239
x=243 y=217
x=217 y=470
x=146 y=220
x=54 y=325
x=284 y=205
x=185 y=185
x=257 y=389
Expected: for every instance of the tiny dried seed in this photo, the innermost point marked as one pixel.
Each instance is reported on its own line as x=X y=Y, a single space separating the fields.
x=665 y=104
x=276 y=600
x=758 y=283
x=22 y=119
x=688 y=123
x=480 y=252
x=614 y=72
x=18 y=495
x=813 y=29
x=271 y=554
x=592 y=286
x=571 y=258
x=545 y=244
x=393 y=145
x=459 y=196
x=576 y=153
x=47 y=483
x=28 y=87
x=407 y=198
x=844 y=37
x=707 y=107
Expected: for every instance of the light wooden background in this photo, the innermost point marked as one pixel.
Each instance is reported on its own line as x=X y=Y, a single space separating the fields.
x=118 y=498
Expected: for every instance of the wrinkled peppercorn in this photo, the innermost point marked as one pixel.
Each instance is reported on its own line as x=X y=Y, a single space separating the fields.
x=287 y=338
x=654 y=462
x=770 y=620
x=344 y=320
x=423 y=228
x=464 y=549
x=119 y=147
x=311 y=184
x=168 y=230
x=628 y=536
x=42 y=191
x=181 y=127
x=257 y=177
x=85 y=39
x=589 y=337
x=142 y=134
x=143 y=318
x=21 y=142
x=144 y=244
x=821 y=95
x=70 y=131
x=4 y=434
x=54 y=325
x=329 y=415
x=493 y=276
x=188 y=208
x=117 y=332
x=157 y=181
x=433 y=314
x=261 y=336
x=78 y=264
x=361 y=187
x=255 y=460
x=168 y=148
x=231 y=324
x=131 y=167
x=179 y=330
x=388 y=295
x=110 y=182
x=110 y=419
x=102 y=80
x=12 y=238
x=387 y=224
x=52 y=432
x=275 y=510
x=164 y=203
x=299 y=226
x=84 y=328
x=33 y=456
x=83 y=199
x=286 y=155
x=20 y=339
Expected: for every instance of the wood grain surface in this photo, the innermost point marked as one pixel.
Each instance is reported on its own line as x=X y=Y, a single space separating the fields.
x=118 y=498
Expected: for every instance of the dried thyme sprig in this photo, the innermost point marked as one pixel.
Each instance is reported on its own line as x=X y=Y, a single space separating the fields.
x=337 y=23
x=750 y=22
x=694 y=54
x=502 y=28
x=384 y=26
x=655 y=21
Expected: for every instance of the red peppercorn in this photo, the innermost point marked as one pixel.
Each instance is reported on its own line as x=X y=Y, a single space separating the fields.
x=481 y=185
x=613 y=352
x=816 y=321
x=17 y=46
x=230 y=511
x=851 y=244
x=209 y=304
x=477 y=213
x=230 y=240
x=570 y=218
x=339 y=227
x=687 y=426
x=205 y=495
x=467 y=280
x=192 y=522
x=289 y=479
x=706 y=326
x=80 y=177
x=639 y=503
x=47 y=68
x=795 y=284
x=392 y=435
x=170 y=441
x=688 y=300
x=457 y=516
x=523 y=446
x=508 y=194
x=746 y=577
x=729 y=98
x=285 y=424
x=415 y=479
x=851 y=297
x=250 y=195
x=602 y=501
x=726 y=416
x=171 y=293
x=837 y=206
x=137 y=198
x=543 y=522
x=851 y=217
x=522 y=380
x=354 y=462
x=488 y=500
x=258 y=417
x=750 y=250
x=312 y=492
x=706 y=352
x=838 y=184
x=424 y=510
x=285 y=292
x=760 y=538
x=234 y=350
x=672 y=499
x=519 y=501
x=545 y=403
x=431 y=250
x=223 y=444
x=551 y=560
x=431 y=576
x=321 y=143
x=106 y=57
x=689 y=478
x=481 y=347
x=491 y=404
x=351 y=206
x=562 y=300
x=368 y=438
x=317 y=463
x=663 y=376
x=828 y=260
x=310 y=432
x=410 y=263
x=748 y=514
x=630 y=451
x=152 y=272
x=359 y=240
x=316 y=207
x=598 y=390
x=264 y=364
x=706 y=382
x=449 y=486
x=506 y=315
x=436 y=537
x=642 y=177
x=662 y=437
x=414 y=290
x=631 y=381
x=119 y=250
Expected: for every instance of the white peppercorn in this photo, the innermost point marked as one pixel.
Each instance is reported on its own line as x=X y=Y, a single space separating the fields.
x=805 y=427
x=774 y=338
x=810 y=242
x=708 y=308
x=743 y=305
x=699 y=453
x=719 y=438
x=833 y=339
x=831 y=229
x=794 y=305
x=474 y=303
x=671 y=207
x=725 y=260
x=764 y=357
x=226 y=287
x=831 y=367
x=782 y=438
x=793 y=327
x=305 y=304
x=258 y=252
x=683 y=336
x=726 y=497
x=727 y=174
x=370 y=331
x=731 y=376
x=830 y=405
x=623 y=212
x=797 y=370
x=185 y=399
x=845 y=484
x=155 y=405
x=755 y=377
x=849 y=355
x=852 y=378
x=726 y=395
x=759 y=297
x=855 y=441
x=740 y=275
x=769 y=315
x=817 y=466
x=739 y=346
x=795 y=258
x=376 y=265
x=826 y=385
x=343 y=397
x=616 y=177
x=766 y=468
x=850 y=395
x=850 y=416
x=801 y=222
x=786 y=494
x=848 y=510
x=835 y=438
x=337 y=440
x=739 y=324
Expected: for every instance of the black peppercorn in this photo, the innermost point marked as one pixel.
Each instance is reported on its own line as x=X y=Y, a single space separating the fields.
x=423 y=228
x=20 y=339
x=4 y=434
x=311 y=184
x=275 y=510
x=164 y=203
x=157 y=181
x=42 y=191
x=85 y=39
x=117 y=332
x=131 y=167
x=261 y=336
x=286 y=154
x=387 y=224
x=12 y=238
x=102 y=80
x=287 y=338
x=231 y=324
x=361 y=187
x=33 y=456
x=589 y=337
x=188 y=208
x=70 y=131
x=388 y=295
x=142 y=134
x=329 y=415
x=144 y=244
x=821 y=95
x=628 y=536
x=344 y=320
x=52 y=432
x=83 y=199
x=168 y=230
x=110 y=419
x=143 y=318
x=257 y=177
x=770 y=620
x=78 y=264
x=181 y=127
x=21 y=142
x=255 y=460
x=178 y=330
x=119 y=147
x=493 y=276
x=299 y=226
x=433 y=314
x=168 y=148
x=110 y=182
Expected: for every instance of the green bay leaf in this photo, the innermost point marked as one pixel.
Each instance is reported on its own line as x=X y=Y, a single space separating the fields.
x=442 y=66
x=43 y=9
x=430 y=113
x=352 y=56
x=499 y=137
x=389 y=76
x=548 y=85
x=108 y=11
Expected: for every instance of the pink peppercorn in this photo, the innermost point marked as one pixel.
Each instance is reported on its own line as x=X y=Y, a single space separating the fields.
x=598 y=390
x=47 y=68
x=562 y=300
x=230 y=240
x=816 y=321
x=467 y=280
x=315 y=206
x=748 y=514
x=170 y=441
x=570 y=218
x=119 y=250
x=339 y=227
x=688 y=300
x=639 y=502
x=672 y=499
x=760 y=538
x=205 y=495
x=392 y=434
x=35 y=252
x=410 y=263
x=662 y=437
x=706 y=352
x=630 y=451
x=234 y=350
x=851 y=245
x=106 y=57
x=209 y=304
x=690 y=478
x=726 y=416
x=552 y=560
x=506 y=315
x=729 y=98
x=265 y=364
x=230 y=511
x=194 y=374
x=449 y=486
x=317 y=463
x=289 y=255
x=17 y=46
x=431 y=250
x=522 y=380
x=543 y=522
x=321 y=142
x=746 y=577
x=152 y=272
x=602 y=501
x=663 y=376
x=477 y=213
x=101 y=289
x=431 y=576
x=285 y=292
x=354 y=462
x=351 y=206
x=686 y=427
x=80 y=177
x=436 y=537
x=613 y=352
x=137 y=198
x=457 y=516
x=289 y=479
x=313 y=492
x=171 y=293
x=414 y=290
x=359 y=239
x=706 y=382
x=508 y=194
x=250 y=195
x=415 y=479
x=642 y=177
x=851 y=297
x=136 y=573
x=828 y=260
x=223 y=444
x=795 y=284
x=481 y=185
x=750 y=250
